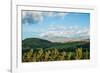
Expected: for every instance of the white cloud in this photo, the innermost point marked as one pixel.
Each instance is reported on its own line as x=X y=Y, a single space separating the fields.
x=57 y=34
x=62 y=31
x=32 y=17
x=62 y=14
x=85 y=32
x=49 y=14
x=56 y=14
x=38 y=16
x=57 y=27
x=54 y=34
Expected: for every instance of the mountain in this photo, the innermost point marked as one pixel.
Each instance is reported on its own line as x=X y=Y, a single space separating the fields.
x=64 y=39
x=34 y=43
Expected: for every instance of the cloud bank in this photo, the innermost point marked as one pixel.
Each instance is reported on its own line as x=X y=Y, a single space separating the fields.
x=69 y=32
x=33 y=17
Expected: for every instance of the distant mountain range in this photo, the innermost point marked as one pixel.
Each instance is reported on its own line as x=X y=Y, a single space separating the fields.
x=34 y=43
x=65 y=39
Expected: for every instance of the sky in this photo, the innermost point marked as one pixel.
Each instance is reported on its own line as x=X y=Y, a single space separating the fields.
x=55 y=26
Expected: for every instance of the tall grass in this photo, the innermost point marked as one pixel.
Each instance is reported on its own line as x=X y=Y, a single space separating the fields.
x=54 y=55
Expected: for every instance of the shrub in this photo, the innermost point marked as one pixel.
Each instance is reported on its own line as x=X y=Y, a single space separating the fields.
x=79 y=53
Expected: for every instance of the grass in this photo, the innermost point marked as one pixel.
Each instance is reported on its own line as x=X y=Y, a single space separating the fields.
x=54 y=54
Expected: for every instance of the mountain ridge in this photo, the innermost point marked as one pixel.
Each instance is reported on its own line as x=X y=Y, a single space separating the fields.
x=35 y=43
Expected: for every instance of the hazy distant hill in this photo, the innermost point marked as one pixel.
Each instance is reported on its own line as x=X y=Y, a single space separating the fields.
x=64 y=39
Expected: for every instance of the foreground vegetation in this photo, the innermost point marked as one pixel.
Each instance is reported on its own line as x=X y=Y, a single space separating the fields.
x=36 y=50
x=41 y=54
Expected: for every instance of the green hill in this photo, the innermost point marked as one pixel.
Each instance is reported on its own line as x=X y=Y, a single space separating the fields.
x=71 y=46
x=34 y=43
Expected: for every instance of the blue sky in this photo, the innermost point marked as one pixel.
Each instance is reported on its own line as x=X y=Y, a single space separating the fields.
x=50 y=25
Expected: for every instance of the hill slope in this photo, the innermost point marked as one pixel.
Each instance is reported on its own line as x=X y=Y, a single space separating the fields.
x=34 y=43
